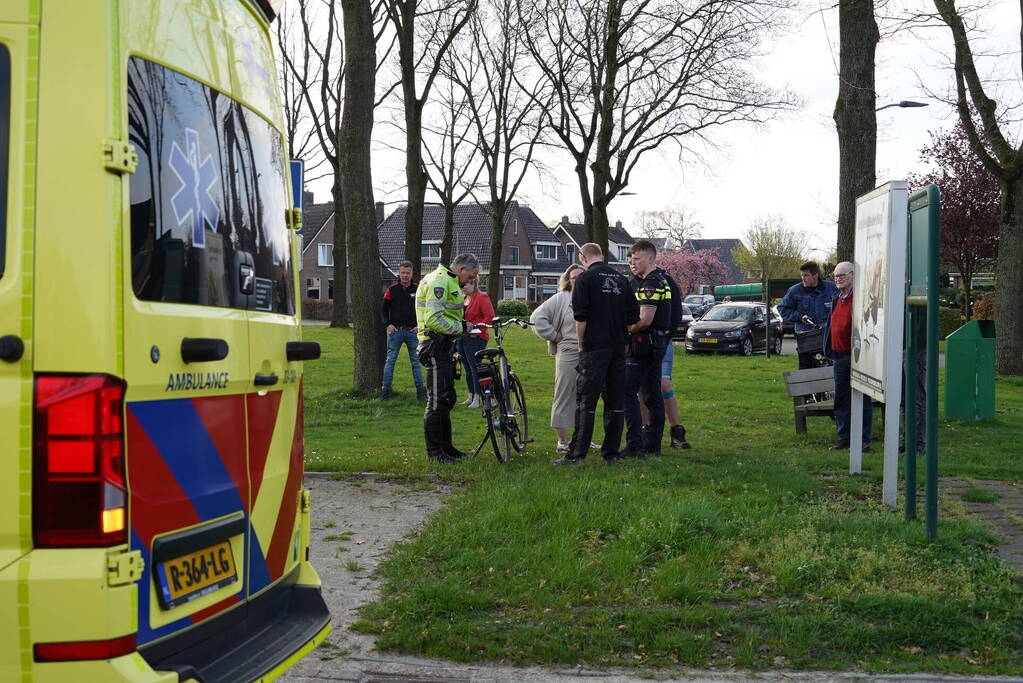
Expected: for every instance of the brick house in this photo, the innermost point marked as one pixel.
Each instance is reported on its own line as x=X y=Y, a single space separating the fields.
x=532 y=258
x=573 y=235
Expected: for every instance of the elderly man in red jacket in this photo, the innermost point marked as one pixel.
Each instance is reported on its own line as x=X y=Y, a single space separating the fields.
x=838 y=347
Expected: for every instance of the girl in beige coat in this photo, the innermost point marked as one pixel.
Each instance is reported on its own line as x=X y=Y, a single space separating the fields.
x=554 y=322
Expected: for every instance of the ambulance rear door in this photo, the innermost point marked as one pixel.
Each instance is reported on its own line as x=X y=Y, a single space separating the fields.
x=190 y=256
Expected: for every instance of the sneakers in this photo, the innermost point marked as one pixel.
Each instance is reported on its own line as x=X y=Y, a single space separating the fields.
x=678 y=437
x=567 y=461
x=467 y=401
x=563 y=447
x=475 y=402
x=385 y=393
x=421 y=394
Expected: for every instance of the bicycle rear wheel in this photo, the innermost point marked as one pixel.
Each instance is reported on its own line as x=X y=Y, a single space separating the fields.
x=517 y=420
x=491 y=411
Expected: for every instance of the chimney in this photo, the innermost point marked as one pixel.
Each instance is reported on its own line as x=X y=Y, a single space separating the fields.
x=380 y=212
x=618 y=224
x=307 y=198
x=564 y=220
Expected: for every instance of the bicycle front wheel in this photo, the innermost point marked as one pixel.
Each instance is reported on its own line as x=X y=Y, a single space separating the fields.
x=517 y=420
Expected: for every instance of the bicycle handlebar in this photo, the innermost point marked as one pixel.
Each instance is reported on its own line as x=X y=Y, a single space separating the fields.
x=521 y=322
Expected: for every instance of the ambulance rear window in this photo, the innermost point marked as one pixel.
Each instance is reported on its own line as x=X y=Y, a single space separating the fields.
x=5 y=132
x=208 y=198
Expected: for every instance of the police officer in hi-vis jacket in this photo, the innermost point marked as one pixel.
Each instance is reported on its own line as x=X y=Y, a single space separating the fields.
x=439 y=316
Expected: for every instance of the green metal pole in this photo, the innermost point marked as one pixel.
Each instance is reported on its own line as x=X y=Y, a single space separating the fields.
x=910 y=437
x=931 y=504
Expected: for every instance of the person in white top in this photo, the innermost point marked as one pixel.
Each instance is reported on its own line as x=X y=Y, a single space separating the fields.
x=553 y=321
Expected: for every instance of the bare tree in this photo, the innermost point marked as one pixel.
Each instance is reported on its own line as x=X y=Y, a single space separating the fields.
x=676 y=224
x=298 y=125
x=1005 y=161
x=424 y=30
x=453 y=164
x=772 y=249
x=491 y=70
x=629 y=76
x=317 y=69
x=355 y=134
x=854 y=114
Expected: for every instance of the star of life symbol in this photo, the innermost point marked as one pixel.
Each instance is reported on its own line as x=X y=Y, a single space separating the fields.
x=193 y=201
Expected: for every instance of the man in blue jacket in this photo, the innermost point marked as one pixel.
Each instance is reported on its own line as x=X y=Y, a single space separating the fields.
x=813 y=298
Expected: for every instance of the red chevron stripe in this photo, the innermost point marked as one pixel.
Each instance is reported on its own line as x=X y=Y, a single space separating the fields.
x=215 y=608
x=277 y=555
x=224 y=419
x=157 y=501
x=262 y=420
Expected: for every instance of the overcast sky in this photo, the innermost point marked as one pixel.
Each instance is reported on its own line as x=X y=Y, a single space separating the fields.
x=790 y=166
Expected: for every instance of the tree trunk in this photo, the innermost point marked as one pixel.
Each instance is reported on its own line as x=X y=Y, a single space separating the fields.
x=354 y=158
x=339 y=316
x=495 y=287
x=584 y=195
x=599 y=222
x=446 y=243
x=416 y=180
x=854 y=115
x=1009 y=281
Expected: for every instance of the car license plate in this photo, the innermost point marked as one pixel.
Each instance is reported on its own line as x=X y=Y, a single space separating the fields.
x=196 y=574
x=708 y=340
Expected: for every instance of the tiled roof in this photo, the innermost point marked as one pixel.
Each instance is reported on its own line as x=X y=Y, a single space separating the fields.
x=471 y=233
x=614 y=234
x=313 y=218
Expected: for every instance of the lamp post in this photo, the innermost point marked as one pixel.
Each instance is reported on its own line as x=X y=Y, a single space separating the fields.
x=905 y=104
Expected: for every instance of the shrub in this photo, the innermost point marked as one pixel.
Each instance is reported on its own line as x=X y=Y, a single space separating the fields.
x=512 y=308
x=984 y=309
x=317 y=309
x=533 y=305
x=949 y=320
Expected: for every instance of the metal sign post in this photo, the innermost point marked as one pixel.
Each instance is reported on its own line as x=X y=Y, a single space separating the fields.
x=925 y=224
x=877 y=320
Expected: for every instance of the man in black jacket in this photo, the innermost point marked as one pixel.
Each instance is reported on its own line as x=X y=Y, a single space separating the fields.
x=603 y=306
x=399 y=314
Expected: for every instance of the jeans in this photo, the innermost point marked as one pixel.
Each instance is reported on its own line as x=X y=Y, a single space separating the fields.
x=843 y=400
x=600 y=371
x=644 y=375
x=395 y=340
x=467 y=348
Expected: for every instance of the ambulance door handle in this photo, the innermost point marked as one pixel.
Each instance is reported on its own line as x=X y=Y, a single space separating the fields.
x=11 y=348
x=200 y=350
x=265 y=380
x=302 y=350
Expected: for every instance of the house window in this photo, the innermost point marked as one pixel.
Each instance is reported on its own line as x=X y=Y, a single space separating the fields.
x=513 y=258
x=429 y=251
x=312 y=288
x=325 y=255
x=515 y=227
x=330 y=289
x=546 y=252
x=623 y=253
x=509 y=283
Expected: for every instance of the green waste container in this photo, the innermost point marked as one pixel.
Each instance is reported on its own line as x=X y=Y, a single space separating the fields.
x=970 y=371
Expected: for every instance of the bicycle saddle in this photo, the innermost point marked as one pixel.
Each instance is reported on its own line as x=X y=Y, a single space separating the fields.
x=487 y=353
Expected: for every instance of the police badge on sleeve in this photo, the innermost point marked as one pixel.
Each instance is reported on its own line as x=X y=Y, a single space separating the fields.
x=438 y=292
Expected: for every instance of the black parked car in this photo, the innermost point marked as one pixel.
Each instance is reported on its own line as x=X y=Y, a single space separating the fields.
x=787 y=326
x=687 y=319
x=735 y=327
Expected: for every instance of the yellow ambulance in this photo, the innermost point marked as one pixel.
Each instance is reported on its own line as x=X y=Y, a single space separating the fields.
x=153 y=524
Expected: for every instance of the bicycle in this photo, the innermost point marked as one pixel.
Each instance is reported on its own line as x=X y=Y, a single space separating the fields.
x=504 y=401
x=813 y=340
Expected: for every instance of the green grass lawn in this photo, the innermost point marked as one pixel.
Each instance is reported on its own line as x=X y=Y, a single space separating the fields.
x=755 y=549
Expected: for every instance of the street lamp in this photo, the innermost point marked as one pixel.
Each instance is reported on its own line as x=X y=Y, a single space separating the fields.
x=905 y=104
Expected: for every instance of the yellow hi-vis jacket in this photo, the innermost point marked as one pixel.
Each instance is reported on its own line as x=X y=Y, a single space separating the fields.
x=439 y=305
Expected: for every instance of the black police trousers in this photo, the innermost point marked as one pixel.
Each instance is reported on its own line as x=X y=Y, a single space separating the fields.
x=600 y=371
x=435 y=357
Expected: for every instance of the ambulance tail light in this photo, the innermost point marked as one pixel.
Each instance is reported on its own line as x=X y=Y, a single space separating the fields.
x=84 y=650
x=78 y=494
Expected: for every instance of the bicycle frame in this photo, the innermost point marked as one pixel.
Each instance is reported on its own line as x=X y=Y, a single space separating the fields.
x=497 y=381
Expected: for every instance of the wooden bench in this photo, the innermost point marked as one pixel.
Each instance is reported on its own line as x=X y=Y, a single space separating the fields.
x=802 y=385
